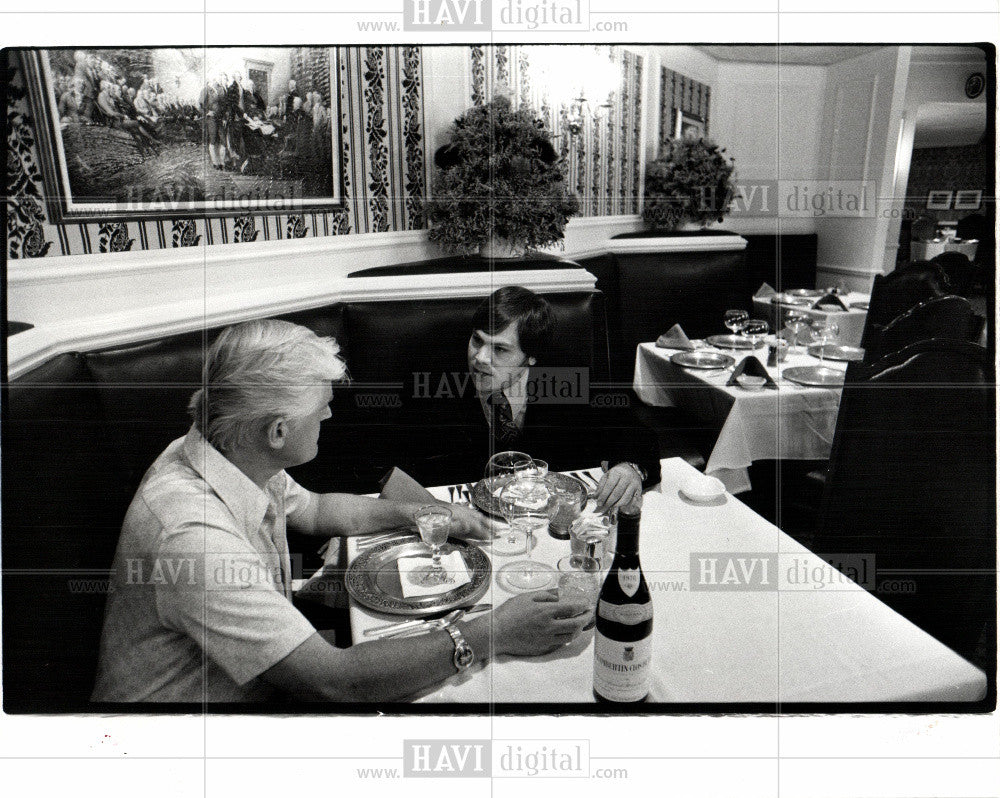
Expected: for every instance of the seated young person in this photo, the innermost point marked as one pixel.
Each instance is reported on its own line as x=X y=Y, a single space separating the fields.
x=200 y=604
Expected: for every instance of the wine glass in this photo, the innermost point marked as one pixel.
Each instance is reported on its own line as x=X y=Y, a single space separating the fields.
x=433 y=523
x=526 y=504
x=797 y=322
x=754 y=330
x=734 y=320
x=540 y=468
x=824 y=332
x=508 y=464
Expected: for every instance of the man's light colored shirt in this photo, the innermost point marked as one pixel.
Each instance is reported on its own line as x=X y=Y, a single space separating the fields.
x=200 y=601
x=517 y=394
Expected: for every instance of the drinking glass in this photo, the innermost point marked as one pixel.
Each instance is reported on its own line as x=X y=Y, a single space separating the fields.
x=588 y=537
x=798 y=323
x=540 y=468
x=433 y=523
x=507 y=464
x=568 y=501
x=526 y=505
x=580 y=582
x=734 y=320
x=824 y=332
x=754 y=330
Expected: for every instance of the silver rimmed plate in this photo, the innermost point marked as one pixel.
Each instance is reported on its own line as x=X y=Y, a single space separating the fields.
x=702 y=359
x=807 y=292
x=732 y=342
x=795 y=301
x=814 y=376
x=484 y=493
x=836 y=352
x=859 y=305
x=372 y=579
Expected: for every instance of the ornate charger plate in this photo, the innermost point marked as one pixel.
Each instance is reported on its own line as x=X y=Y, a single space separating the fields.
x=837 y=352
x=814 y=376
x=702 y=359
x=484 y=498
x=732 y=342
x=372 y=579
x=813 y=292
x=796 y=301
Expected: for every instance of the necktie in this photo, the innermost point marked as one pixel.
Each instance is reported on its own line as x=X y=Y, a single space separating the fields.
x=504 y=428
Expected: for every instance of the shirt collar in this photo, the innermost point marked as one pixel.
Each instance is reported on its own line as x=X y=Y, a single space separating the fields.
x=517 y=395
x=247 y=502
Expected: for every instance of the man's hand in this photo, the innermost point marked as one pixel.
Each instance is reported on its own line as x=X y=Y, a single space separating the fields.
x=619 y=487
x=537 y=623
x=469 y=523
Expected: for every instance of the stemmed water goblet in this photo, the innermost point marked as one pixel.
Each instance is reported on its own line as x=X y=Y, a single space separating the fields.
x=433 y=523
x=526 y=505
x=734 y=321
x=754 y=330
x=824 y=332
x=797 y=322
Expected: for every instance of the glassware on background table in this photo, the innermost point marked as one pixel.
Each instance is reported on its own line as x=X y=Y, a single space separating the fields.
x=797 y=322
x=734 y=321
x=433 y=524
x=824 y=332
x=526 y=505
x=755 y=330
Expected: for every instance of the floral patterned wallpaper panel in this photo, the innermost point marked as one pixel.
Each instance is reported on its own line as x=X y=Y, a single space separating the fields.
x=385 y=172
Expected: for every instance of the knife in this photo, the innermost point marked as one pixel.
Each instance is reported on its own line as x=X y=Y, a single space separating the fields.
x=420 y=624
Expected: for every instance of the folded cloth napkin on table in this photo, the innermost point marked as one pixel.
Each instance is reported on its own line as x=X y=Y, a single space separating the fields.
x=452 y=563
x=675 y=338
x=751 y=365
x=401 y=487
x=829 y=300
x=764 y=291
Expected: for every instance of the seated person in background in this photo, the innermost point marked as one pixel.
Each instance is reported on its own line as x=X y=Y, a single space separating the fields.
x=200 y=603
x=907 y=286
x=509 y=402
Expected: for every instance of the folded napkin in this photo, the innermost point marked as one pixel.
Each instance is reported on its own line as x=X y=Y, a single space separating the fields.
x=453 y=564
x=829 y=300
x=401 y=487
x=675 y=338
x=764 y=291
x=752 y=366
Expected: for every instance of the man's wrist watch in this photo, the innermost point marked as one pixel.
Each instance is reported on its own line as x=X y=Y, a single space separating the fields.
x=464 y=656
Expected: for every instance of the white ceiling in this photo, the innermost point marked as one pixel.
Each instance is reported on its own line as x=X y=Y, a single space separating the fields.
x=949 y=124
x=814 y=54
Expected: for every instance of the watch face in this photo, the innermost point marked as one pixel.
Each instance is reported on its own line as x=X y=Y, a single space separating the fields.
x=974 y=85
x=464 y=656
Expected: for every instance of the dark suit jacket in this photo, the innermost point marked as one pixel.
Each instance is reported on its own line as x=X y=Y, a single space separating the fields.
x=452 y=440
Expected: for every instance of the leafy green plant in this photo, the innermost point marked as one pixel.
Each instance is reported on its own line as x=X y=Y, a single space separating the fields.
x=690 y=181
x=499 y=178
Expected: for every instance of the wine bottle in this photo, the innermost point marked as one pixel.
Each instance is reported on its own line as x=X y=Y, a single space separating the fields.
x=623 y=641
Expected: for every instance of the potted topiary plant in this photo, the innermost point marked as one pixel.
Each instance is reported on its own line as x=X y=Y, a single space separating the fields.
x=500 y=188
x=690 y=182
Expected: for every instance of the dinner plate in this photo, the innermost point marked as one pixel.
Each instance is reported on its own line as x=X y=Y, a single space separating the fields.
x=372 y=578
x=702 y=359
x=814 y=376
x=837 y=352
x=859 y=305
x=813 y=292
x=732 y=342
x=484 y=492
x=796 y=301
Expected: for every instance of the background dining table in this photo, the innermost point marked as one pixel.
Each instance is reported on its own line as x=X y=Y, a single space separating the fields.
x=851 y=321
x=795 y=422
x=787 y=641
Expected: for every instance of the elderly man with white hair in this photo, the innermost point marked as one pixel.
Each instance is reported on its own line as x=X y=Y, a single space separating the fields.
x=200 y=604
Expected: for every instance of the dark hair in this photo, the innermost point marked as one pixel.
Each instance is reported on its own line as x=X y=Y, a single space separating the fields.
x=532 y=314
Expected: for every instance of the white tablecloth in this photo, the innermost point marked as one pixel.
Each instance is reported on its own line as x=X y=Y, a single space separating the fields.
x=793 y=423
x=795 y=642
x=851 y=322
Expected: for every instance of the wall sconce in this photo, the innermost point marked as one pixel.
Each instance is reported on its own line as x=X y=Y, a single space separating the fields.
x=579 y=109
x=594 y=75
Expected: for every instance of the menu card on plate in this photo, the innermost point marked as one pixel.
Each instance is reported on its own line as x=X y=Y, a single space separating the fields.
x=453 y=563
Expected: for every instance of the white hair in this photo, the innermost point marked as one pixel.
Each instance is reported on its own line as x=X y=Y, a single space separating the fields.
x=259 y=371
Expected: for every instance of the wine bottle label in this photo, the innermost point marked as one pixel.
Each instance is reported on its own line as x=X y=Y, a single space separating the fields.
x=628 y=579
x=622 y=670
x=628 y=614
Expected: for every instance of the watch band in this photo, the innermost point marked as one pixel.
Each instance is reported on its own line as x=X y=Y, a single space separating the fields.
x=464 y=656
x=638 y=470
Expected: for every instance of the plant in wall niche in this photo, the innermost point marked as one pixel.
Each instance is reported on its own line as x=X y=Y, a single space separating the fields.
x=690 y=182
x=500 y=188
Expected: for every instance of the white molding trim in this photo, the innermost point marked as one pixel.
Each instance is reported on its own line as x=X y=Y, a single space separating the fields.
x=726 y=243
x=850 y=271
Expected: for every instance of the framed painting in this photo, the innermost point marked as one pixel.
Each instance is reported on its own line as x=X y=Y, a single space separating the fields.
x=135 y=132
x=968 y=200
x=939 y=200
x=688 y=126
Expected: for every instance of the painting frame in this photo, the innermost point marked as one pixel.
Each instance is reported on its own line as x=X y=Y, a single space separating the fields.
x=688 y=125
x=939 y=200
x=968 y=200
x=64 y=206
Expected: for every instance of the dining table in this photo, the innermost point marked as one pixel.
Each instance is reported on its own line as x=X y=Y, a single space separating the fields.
x=794 y=422
x=805 y=633
x=851 y=320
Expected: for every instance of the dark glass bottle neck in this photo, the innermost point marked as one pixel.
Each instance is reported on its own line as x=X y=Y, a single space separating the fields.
x=627 y=544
